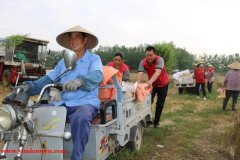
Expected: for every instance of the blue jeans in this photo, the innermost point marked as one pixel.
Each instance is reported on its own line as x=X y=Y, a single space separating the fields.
x=80 y=118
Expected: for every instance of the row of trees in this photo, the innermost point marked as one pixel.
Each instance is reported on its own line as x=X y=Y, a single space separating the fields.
x=220 y=62
x=53 y=57
x=174 y=57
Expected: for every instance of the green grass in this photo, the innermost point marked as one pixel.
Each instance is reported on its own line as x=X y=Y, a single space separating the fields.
x=193 y=121
x=198 y=130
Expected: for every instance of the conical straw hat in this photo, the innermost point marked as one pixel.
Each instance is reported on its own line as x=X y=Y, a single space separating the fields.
x=63 y=39
x=234 y=65
x=199 y=62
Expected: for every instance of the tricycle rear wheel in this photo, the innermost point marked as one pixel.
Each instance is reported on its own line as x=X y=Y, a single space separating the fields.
x=136 y=137
x=180 y=90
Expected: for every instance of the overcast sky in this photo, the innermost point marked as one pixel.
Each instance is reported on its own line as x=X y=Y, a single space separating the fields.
x=200 y=26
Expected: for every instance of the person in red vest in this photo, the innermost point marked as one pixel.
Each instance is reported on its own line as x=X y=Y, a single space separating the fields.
x=210 y=78
x=158 y=79
x=120 y=65
x=200 y=76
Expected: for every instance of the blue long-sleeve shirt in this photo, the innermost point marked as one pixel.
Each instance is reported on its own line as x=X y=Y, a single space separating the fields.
x=88 y=68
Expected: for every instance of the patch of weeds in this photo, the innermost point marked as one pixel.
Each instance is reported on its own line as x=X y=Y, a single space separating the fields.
x=186 y=110
x=124 y=153
x=152 y=137
x=211 y=112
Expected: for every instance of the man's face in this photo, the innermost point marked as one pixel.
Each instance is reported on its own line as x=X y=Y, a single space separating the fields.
x=76 y=41
x=150 y=56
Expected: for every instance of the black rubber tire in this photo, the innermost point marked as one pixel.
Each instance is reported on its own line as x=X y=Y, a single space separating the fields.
x=137 y=136
x=180 y=90
x=191 y=90
x=6 y=77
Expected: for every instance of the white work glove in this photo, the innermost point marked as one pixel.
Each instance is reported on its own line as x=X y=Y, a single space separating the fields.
x=72 y=85
x=54 y=95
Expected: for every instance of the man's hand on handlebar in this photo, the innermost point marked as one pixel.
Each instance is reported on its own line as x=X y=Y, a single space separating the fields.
x=72 y=85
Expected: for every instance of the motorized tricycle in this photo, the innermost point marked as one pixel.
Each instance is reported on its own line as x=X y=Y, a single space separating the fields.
x=31 y=131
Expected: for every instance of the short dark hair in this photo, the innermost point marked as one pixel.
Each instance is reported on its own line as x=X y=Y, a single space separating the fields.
x=150 y=48
x=119 y=54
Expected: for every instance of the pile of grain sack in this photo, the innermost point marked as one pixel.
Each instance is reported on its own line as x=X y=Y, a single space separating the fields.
x=140 y=91
x=183 y=77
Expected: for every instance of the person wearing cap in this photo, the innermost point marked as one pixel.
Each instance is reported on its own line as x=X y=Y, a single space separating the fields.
x=200 y=75
x=118 y=64
x=80 y=85
x=232 y=84
x=210 y=78
x=158 y=79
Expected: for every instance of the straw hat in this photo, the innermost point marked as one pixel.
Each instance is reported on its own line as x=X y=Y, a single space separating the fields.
x=234 y=65
x=199 y=62
x=63 y=39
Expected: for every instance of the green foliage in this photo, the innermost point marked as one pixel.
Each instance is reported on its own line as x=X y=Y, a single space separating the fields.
x=132 y=55
x=174 y=58
x=220 y=62
x=53 y=57
x=184 y=60
x=168 y=53
x=14 y=41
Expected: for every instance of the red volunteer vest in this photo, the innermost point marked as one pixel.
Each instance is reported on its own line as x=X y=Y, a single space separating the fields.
x=123 y=68
x=210 y=69
x=162 y=80
x=199 y=75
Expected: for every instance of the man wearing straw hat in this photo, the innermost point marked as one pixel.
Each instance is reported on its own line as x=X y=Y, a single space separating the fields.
x=80 y=85
x=232 y=84
x=200 y=75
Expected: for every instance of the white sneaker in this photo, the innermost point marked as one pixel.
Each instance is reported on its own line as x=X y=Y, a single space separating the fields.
x=204 y=98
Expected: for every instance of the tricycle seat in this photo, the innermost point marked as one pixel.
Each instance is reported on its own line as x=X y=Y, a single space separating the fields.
x=104 y=117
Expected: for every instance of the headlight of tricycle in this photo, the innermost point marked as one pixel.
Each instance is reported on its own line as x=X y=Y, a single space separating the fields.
x=7 y=117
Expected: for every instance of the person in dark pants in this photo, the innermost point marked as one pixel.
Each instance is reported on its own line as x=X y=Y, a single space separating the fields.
x=161 y=96
x=210 y=78
x=232 y=84
x=200 y=75
x=158 y=78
